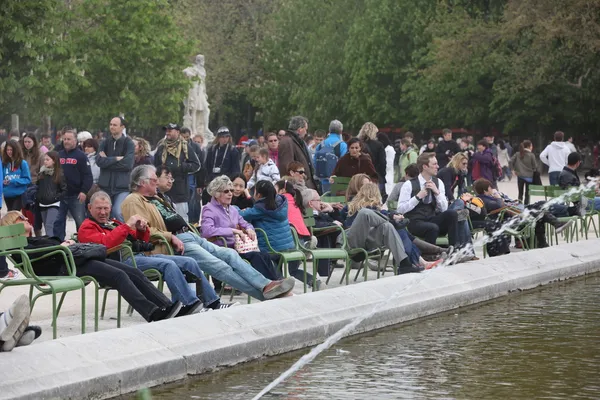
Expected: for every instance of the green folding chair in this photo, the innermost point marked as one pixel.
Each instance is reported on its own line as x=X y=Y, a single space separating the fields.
x=13 y=242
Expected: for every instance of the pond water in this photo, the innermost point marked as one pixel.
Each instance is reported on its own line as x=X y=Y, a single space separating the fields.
x=543 y=344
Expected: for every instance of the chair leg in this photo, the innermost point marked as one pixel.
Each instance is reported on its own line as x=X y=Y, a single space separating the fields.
x=118 y=310
x=60 y=303
x=315 y=262
x=96 y=301
x=306 y=276
x=83 y=319
x=104 y=303
x=54 y=316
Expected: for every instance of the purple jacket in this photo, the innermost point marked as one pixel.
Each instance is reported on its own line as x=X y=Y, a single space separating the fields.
x=216 y=222
x=486 y=165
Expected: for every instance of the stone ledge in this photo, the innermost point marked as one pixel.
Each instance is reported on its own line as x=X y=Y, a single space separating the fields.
x=110 y=363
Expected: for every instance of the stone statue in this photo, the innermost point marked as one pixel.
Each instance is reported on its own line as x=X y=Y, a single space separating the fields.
x=197 y=110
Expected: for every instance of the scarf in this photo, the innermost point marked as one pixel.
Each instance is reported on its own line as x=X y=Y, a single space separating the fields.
x=174 y=148
x=46 y=170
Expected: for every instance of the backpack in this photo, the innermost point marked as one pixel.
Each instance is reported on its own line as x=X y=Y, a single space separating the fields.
x=326 y=158
x=497 y=170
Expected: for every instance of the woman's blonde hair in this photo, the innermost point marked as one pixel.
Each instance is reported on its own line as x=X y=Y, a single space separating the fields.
x=11 y=218
x=144 y=146
x=368 y=131
x=368 y=196
x=355 y=184
x=456 y=160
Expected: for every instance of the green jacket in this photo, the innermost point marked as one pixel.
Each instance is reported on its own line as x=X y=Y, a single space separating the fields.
x=408 y=157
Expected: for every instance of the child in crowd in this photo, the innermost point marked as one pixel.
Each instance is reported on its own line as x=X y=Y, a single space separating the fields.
x=296 y=212
x=52 y=186
x=265 y=169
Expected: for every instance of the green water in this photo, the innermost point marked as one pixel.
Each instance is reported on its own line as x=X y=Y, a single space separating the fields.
x=543 y=344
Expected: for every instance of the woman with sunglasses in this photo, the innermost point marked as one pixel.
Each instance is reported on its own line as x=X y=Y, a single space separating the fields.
x=273 y=146
x=454 y=176
x=221 y=220
x=131 y=283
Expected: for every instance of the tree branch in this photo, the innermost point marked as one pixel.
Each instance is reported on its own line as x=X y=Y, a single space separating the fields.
x=580 y=80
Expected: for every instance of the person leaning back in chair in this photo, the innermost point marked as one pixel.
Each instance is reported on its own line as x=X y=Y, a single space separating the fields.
x=99 y=228
x=222 y=263
x=424 y=202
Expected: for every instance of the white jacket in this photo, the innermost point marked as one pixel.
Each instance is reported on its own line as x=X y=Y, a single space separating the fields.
x=265 y=172
x=555 y=156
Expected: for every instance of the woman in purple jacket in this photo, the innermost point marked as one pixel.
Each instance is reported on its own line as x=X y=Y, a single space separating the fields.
x=221 y=220
x=483 y=163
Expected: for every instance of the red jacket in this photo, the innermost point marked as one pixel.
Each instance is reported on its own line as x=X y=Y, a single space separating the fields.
x=295 y=216
x=91 y=232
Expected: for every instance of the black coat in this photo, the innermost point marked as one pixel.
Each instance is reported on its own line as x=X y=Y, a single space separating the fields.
x=568 y=178
x=451 y=180
x=214 y=159
x=50 y=192
x=180 y=169
x=445 y=150
x=114 y=174
x=377 y=152
x=51 y=266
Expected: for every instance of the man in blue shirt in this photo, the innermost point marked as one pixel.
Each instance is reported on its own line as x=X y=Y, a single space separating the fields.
x=340 y=148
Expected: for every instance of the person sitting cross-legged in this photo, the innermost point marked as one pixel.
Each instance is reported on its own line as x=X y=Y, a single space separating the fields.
x=99 y=228
x=423 y=200
x=129 y=282
x=222 y=263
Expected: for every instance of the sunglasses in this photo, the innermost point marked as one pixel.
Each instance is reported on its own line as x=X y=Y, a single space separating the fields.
x=23 y=218
x=273 y=141
x=227 y=191
x=303 y=172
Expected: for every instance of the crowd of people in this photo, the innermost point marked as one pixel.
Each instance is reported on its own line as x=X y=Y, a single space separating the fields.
x=228 y=210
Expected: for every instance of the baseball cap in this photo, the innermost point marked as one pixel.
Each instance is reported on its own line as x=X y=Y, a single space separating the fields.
x=171 y=126
x=223 y=131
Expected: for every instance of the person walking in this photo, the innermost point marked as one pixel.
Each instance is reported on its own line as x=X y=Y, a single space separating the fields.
x=525 y=165
x=115 y=158
x=555 y=157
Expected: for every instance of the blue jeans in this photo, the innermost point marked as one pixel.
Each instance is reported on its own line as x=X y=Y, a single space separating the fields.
x=464 y=231
x=224 y=264
x=172 y=268
x=559 y=210
x=414 y=254
x=117 y=200
x=553 y=176
x=77 y=209
x=194 y=207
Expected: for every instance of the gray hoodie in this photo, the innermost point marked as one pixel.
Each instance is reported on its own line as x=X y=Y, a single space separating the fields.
x=555 y=156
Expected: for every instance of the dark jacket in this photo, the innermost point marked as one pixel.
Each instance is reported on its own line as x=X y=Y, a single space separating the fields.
x=147 y=160
x=486 y=165
x=228 y=161
x=491 y=203
x=568 y=178
x=242 y=202
x=199 y=176
x=274 y=222
x=378 y=158
x=293 y=148
x=348 y=166
x=49 y=192
x=452 y=179
x=51 y=266
x=77 y=171
x=180 y=169
x=445 y=150
x=114 y=175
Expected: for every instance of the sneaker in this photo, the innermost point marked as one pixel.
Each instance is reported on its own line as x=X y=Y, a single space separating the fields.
x=409 y=270
x=191 y=309
x=12 y=274
x=313 y=242
x=31 y=333
x=166 y=313
x=13 y=323
x=222 y=306
x=277 y=288
x=433 y=264
x=561 y=226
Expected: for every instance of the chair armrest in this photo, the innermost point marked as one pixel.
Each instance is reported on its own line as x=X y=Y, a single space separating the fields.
x=262 y=232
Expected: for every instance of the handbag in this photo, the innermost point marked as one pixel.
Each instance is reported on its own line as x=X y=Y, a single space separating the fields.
x=245 y=244
x=83 y=252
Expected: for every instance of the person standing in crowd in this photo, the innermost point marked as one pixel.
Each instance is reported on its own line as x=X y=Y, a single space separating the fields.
x=483 y=163
x=555 y=157
x=196 y=180
x=180 y=157
x=82 y=137
x=221 y=159
x=355 y=162
x=489 y=138
x=90 y=148
x=328 y=153
x=142 y=152
x=570 y=145
x=52 y=187
x=368 y=134
x=428 y=147
x=390 y=154
x=16 y=175
x=446 y=149
x=318 y=138
x=504 y=160
x=408 y=155
x=47 y=142
x=293 y=148
x=273 y=146
x=78 y=174
x=34 y=155
x=115 y=158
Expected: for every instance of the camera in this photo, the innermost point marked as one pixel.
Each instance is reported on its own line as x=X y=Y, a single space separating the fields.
x=139 y=246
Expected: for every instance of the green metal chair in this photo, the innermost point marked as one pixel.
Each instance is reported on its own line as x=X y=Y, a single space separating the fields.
x=539 y=191
x=13 y=242
x=338 y=187
x=573 y=231
x=285 y=256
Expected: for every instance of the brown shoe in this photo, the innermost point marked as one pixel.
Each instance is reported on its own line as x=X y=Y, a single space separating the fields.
x=277 y=288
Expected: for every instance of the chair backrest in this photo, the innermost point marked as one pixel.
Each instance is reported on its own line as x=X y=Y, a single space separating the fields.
x=333 y=199
x=339 y=186
x=309 y=218
x=538 y=190
x=11 y=237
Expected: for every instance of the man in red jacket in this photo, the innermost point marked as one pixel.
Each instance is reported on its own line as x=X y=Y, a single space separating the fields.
x=111 y=233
